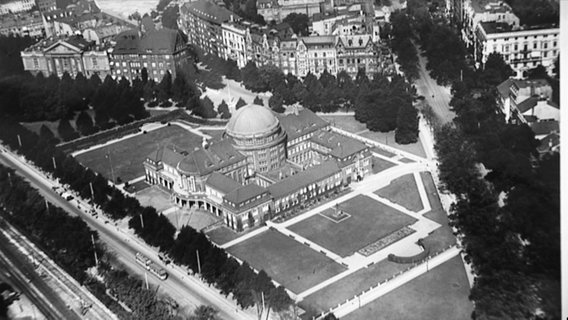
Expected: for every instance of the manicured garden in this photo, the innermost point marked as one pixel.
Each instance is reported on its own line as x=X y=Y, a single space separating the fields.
x=403 y=191
x=441 y=294
x=443 y=236
x=370 y=221
x=289 y=262
x=126 y=156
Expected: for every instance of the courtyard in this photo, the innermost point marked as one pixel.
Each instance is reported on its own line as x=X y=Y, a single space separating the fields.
x=369 y=221
x=126 y=156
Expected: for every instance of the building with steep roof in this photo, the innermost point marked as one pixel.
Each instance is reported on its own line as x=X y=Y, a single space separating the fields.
x=159 y=51
x=73 y=54
x=264 y=165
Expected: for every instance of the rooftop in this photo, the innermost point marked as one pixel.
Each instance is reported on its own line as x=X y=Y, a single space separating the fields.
x=162 y=41
x=209 y=11
x=301 y=123
x=217 y=155
x=251 y=120
x=545 y=127
x=318 y=40
x=481 y=6
x=169 y=154
x=222 y=183
x=303 y=179
x=340 y=145
x=244 y=193
x=75 y=41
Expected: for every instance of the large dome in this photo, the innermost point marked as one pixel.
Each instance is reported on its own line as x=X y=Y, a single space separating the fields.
x=252 y=120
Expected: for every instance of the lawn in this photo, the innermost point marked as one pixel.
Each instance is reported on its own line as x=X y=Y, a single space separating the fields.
x=380 y=164
x=443 y=236
x=154 y=197
x=292 y=264
x=370 y=221
x=137 y=186
x=403 y=191
x=222 y=235
x=388 y=139
x=127 y=155
x=351 y=285
x=347 y=123
x=440 y=294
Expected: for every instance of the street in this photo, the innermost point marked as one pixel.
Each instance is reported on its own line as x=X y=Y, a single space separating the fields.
x=438 y=97
x=188 y=291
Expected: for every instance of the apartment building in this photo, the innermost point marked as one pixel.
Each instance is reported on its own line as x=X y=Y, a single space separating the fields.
x=159 y=51
x=15 y=6
x=521 y=49
x=22 y=24
x=477 y=11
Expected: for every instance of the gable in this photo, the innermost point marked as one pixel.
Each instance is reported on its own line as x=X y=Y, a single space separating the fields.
x=61 y=47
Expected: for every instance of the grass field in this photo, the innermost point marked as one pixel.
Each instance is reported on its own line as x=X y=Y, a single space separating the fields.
x=440 y=294
x=352 y=285
x=443 y=236
x=222 y=235
x=293 y=264
x=388 y=139
x=347 y=123
x=127 y=155
x=380 y=164
x=403 y=191
x=370 y=220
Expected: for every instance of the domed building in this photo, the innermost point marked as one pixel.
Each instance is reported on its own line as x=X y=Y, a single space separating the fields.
x=263 y=165
x=257 y=134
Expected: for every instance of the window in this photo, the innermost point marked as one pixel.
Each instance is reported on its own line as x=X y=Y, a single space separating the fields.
x=36 y=63
x=95 y=62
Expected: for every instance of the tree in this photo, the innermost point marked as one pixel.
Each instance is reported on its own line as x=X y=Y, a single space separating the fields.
x=66 y=132
x=275 y=103
x=223 y=109
x=406 y=124
x=258 y=100
x=170 y=17
x=84 y=124
x=299 y=23
x=165 y=87
x=204 y=313
x=240 y=103
x=206 y=109
x=46 y=134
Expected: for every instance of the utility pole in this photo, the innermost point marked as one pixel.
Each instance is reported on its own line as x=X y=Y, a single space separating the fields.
x=54 y=164
x=146 y=278
x=10 y=178
x=198 y=262
x=46 y=206
x=92 y=192
x=142 y=221
x=110 y=165
x=95 y=250
x=19 y=141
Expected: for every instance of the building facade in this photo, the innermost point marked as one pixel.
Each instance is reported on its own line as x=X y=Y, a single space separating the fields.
x=521 y=49
x=159 y=51
x=16 y=6
x=66 y=54
x=249 y=175
x=477 y=11
x=22 y=24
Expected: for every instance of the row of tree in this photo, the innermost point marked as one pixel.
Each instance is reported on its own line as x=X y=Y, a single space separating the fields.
x=507 y=211
x=383 y=104
x=154 y=228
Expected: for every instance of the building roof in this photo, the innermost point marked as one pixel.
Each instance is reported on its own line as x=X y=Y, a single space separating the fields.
x=217 y=155
x=302 y=179
x=301 y=123
x=480 y=6
x=537 y=83
x=318 y=40
x=168 y=154
x=549 y=143
x=341 y=146
x=532 y=102
x=162 y=41
x=244 y=193
x=222 y=183
x=495 y=27
x=504 y=87
x=8 y=21
x=209 y=11
x=251 y=120
x=355 y=41
x=48 y=43
x=545 y=127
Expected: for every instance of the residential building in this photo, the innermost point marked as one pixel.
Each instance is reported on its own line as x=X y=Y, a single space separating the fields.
x=66 y=54
x=277 y=10
x=521 y=49
x=202 y=22
x=316 y=54
x=159 y=51
x=269 y=10
x=249 y=175
x=287 y=59
x=234 y=37
x=46 y=5
x=22 y=24
x=477 y=11
x=15 y=6
x=357 y=52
